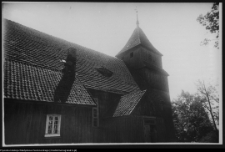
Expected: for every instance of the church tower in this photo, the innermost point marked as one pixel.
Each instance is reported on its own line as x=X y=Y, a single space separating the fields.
x=139 y=53
x=144 y=62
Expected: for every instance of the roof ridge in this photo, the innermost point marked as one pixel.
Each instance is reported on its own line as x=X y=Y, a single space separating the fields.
x=134 y=92
x=58 y=39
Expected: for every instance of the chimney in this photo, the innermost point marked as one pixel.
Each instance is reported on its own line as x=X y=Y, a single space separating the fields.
x=70 y=64
x=65 y=84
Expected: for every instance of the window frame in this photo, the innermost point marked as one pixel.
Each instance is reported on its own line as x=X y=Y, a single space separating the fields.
x=47 y=125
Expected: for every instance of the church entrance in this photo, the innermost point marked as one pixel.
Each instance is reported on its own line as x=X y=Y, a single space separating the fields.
x=150 y=131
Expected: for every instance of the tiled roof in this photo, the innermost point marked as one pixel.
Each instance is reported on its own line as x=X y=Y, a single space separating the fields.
x=138 y=37
x=128 y=102
x=31 y=47
x=27 y=82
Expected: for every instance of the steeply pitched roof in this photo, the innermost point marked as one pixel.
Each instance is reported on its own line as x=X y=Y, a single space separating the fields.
x=128 y=102
x=27 y=82
x=138 y=37
x=33 y=48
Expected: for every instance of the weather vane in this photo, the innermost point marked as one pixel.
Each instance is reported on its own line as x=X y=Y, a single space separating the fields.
x=137 y=15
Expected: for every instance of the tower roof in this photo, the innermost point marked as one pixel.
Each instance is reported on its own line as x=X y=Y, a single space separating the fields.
x=138 y=37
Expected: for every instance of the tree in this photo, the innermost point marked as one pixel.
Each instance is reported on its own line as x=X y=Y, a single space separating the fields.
x=190 y=118
x=211 y=22
x=210 y=100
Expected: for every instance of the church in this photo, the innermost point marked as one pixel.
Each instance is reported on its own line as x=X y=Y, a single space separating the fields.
x=57 y=91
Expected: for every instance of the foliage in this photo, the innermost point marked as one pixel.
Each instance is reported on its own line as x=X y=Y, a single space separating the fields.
x=190 y=119
x=211 y=22
x=210 y=100
x=211 y=137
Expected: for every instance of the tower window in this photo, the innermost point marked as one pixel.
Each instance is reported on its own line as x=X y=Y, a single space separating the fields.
x=131 y=54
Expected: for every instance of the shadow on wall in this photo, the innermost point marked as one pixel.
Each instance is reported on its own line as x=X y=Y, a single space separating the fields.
x=65 y=84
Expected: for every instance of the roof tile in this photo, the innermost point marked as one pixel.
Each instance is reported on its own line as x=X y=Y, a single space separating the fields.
x=31 y=47
x=128 y=102
x=26 y=82
x=138 y=37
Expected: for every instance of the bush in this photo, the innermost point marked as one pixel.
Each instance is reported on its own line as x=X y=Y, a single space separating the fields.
x=211 y=137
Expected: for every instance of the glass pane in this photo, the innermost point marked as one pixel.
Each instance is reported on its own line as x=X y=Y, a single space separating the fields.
x=50 y=124
x=56 y=125
x=49 y=129
x=50 y=118
x=55 y=129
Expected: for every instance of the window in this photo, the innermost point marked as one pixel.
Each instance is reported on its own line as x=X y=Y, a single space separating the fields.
x=53 y=123
x=131 y=54
x=95 y=115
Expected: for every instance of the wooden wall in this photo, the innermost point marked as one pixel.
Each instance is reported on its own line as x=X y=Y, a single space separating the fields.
x=140 y=55
x=152 y=81
x=107 y=102
x=25 y=122
x=156 y=80
x=150 y=57
x=122 y=130
x=128 y=129
x=131 y=61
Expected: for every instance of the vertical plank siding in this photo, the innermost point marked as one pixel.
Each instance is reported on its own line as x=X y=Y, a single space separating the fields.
x=123 y=129
x=25 y=123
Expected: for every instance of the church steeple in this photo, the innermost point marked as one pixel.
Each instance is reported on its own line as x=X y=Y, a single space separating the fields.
x=138 y=37
x=139 y=52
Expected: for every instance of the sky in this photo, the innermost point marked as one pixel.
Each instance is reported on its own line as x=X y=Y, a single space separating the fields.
x=172 y=28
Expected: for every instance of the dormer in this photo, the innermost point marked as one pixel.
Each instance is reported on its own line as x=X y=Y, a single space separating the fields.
x=104 y=71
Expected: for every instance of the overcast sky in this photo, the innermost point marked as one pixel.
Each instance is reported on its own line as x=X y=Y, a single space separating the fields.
x=106 y=27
